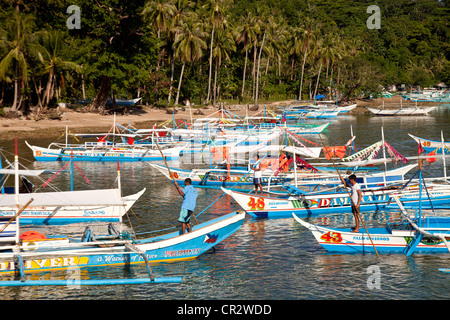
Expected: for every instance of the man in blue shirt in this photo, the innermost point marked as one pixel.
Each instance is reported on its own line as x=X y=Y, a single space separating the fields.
x=189 y=195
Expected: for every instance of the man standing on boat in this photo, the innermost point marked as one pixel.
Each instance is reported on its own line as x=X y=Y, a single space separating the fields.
x=189 y=195
x=257 y=175
x=356 y=196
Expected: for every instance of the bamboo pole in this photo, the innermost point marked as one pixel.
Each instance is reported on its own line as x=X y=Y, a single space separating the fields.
x=17 y=214
x=170 y=173
x=358 y=215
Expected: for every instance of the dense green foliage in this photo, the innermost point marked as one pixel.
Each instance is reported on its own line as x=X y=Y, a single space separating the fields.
x=207 y=51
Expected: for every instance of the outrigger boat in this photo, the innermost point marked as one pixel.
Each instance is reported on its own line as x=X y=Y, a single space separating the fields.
x=116 y=249
x=433 y=145
x=402 y=111
x=100 y=151
x=420 y=235
x=238 y=177
x=406 y=238
x=133 y=146
x=318 y=203
x=35 y=252
x=62 y=207
x=49 y=253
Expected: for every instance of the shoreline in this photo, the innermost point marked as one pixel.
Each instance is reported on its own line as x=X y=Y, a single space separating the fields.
x=144 y=118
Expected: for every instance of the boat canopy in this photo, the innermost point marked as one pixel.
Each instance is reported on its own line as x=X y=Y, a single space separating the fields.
x=65 y=198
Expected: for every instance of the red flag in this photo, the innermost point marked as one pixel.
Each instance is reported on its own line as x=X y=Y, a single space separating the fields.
x=421 y=149
x=130 y=141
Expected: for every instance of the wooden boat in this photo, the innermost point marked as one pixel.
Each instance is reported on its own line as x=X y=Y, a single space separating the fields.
x=394 y=238
x=119 y=102
x=420 y=235
x=32 y=251
x=315 y=204
x=49 y=253
x=340 y=109
x=63 y=207
x=433 y=145
x=236 y=177
x=103 y=151
x=401 y=112
x=321 y=114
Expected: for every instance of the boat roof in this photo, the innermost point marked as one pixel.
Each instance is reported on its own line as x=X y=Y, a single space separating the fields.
x=30 y=173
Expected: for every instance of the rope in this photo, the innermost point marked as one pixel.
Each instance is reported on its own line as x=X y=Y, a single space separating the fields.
x=429 y=198
x=52 y=177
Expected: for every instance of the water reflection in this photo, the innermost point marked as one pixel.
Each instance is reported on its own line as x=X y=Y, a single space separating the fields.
x=265 y=259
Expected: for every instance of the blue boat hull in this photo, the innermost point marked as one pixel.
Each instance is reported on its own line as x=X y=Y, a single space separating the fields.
x=392 y=239
x=315 y=212
x=170 y=247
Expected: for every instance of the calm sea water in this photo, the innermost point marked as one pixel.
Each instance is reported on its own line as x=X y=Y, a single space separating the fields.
x=274 y=259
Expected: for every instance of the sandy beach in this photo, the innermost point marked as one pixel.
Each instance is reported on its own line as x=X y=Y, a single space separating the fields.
x=143 y=117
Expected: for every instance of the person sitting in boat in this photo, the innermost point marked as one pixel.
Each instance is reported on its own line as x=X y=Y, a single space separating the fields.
x=356 y=196
x=189 y=195
x=257 y=175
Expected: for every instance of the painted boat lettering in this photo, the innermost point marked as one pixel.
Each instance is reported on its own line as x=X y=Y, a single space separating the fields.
x=181 y=253
x=93 y=212
x=374 y=238
x=332 y=237
x=256 y=204
x=46 y=263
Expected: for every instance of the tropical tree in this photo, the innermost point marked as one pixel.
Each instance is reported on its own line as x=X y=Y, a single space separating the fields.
x=216 y=11
x=53 y=63
x=307 y=37
x=246 y=33
x=276 y=42
x=266 y=23
x=183 y=10
x=189 y=45
x=20 y=42
x=223 y=46
x=158 y=14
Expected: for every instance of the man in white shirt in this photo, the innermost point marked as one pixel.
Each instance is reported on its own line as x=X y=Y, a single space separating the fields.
x=356 y=196
x=257 y=175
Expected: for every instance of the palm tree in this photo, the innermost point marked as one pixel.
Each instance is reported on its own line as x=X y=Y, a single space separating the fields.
x=215 y=9
x=54 y=64
x=308 y=36
x=183 y=11
x=20 y=43
x=158 y=12
x=294 y=45
x=188 y=45
x=265 y=24
x=224 y=44
x=246 y=34
x=330 y=52
x=276 y=42
x=321 y=57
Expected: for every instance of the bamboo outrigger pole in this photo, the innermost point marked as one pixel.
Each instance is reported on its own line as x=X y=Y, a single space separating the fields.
x=170 y=173
x=358 y=215
x=15 y=216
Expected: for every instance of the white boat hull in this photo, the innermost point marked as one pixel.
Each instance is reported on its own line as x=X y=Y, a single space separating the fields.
x=69 y=206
